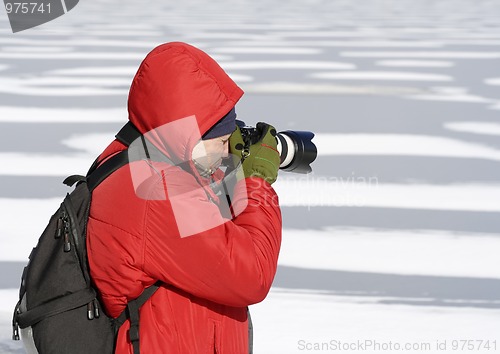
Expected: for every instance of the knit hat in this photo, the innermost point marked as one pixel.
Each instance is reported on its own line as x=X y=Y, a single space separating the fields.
x=226 y=125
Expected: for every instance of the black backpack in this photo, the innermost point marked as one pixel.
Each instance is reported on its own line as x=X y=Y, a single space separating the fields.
x=58 y=309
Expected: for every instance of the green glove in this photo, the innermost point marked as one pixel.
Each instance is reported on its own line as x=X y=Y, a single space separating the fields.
x=260 y=159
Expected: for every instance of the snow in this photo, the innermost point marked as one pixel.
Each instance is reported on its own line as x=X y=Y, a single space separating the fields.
x=284 y=324
x=73 y=55
x=493 y=81
x=363 y=191
x=382 y=75
x=436 y=54
x=402 y=145
x=239 y=78
x=35 y=87
x=61 y=115
x=270 y=41
x=295 y=88
x=32 y=49
x=230 y=35
x=331 y=34
x=38 y=164
x=19 y=237
x=416 y=63
x=127 y=71
x=266 y=50
x=73 y=81
x=482 y=128
x=252 y=26
x=423 y=252
x=285 y=64
x=450 y=94
x=124 y=43
x=496 y=106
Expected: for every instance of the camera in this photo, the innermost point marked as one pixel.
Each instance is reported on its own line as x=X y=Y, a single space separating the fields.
x=297 y=151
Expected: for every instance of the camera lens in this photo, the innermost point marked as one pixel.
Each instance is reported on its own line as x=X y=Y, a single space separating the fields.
x=297 y=151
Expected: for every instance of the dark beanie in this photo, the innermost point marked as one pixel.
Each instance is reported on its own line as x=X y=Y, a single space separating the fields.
x=225 y=126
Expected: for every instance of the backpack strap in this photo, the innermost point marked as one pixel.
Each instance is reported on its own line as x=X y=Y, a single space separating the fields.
x=127 y=134
x=132 y=313
x=71 y=180
x=98 y=173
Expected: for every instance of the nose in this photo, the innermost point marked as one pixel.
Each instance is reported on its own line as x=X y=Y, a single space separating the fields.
x=225 y=151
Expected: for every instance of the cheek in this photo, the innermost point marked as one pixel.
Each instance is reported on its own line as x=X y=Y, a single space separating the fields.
x=216 y=150
x=220 y=151
x=220 y=148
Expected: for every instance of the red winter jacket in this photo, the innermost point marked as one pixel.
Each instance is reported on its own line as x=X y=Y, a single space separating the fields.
x=211 y=268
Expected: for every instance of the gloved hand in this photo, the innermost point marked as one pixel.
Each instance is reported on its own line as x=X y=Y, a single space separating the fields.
x=260 y=159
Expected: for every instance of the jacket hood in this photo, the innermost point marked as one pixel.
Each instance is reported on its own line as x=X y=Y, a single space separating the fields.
x=178 y=93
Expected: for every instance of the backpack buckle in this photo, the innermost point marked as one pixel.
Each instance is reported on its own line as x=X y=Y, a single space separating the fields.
x=133 y=333
x=15 y=324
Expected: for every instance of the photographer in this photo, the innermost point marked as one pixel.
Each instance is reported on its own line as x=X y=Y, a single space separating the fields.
x=162 y=221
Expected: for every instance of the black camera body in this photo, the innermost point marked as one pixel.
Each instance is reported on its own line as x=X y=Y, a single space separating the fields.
x=297 y=151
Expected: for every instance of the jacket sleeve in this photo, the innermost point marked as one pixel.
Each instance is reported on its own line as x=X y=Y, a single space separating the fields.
x=231 y=262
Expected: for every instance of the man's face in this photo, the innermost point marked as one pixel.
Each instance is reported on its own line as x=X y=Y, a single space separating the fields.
x=209 y=153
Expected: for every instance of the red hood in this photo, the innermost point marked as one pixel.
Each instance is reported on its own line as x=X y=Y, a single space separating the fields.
x=177 y=81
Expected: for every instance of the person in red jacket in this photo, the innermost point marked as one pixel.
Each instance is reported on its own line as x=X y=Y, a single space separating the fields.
x=162 y=220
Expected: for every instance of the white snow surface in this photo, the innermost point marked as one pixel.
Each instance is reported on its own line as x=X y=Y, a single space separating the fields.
x=266 y=50
x=422 y=54
x=314 y=191
x=481 y=128
x=283 y=324
x=285 y=64
x=266 y=41
x=61 y=115
x=415 y=63
x=402 y=145
x=382 y=75
x=408 y=252
x=417 y=45
x=493 y=81
x=128 y=71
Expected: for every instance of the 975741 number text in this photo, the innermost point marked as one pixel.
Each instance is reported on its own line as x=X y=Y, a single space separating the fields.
x=27 y=7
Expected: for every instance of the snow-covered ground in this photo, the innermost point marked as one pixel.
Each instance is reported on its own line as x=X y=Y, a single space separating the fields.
x=391 y=245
